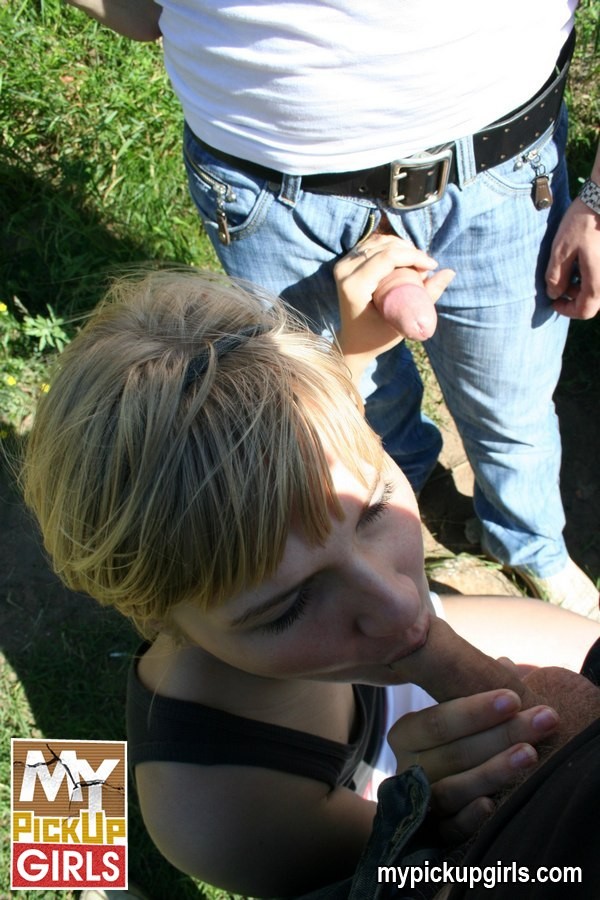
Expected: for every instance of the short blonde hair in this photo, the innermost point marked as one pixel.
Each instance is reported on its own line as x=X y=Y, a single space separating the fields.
x=157 y=478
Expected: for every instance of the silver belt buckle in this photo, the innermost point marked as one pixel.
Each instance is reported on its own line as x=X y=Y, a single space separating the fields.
x=431 y=166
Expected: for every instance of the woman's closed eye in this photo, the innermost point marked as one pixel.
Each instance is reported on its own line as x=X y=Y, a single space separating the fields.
x=375 y=510
x=291 y=615
x=298 y=608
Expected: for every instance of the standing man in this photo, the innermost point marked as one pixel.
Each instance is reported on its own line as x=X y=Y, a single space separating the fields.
x=311 y=124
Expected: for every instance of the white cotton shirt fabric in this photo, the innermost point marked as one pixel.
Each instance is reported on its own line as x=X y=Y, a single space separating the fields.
x=307 y=86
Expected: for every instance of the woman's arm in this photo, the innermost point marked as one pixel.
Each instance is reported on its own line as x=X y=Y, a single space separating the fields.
x=253 y=831
x=135 y=19
x=468 y=747
x=382 y=261
x=260 y=833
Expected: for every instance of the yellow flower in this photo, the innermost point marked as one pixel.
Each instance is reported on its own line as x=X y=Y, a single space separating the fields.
x=45 y=388
x=3 y=307
x=10 y=380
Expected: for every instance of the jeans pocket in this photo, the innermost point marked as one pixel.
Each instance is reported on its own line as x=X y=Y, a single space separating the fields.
x=232 y=203
x=541 y=158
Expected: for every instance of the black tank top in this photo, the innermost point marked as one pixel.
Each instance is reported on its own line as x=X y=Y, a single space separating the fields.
x=167 y=730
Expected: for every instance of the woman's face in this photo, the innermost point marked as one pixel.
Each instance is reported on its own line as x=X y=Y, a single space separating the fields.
x=340 y=611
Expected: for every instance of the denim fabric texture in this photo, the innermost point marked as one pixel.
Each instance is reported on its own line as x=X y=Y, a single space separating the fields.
x=498 y=344
x=403 y=801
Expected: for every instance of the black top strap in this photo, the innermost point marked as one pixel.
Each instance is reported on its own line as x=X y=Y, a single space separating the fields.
x=163 y=729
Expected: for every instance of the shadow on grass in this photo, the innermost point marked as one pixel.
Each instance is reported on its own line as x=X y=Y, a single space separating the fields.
x=71 y=659
x=55 y=247
x=70 y=656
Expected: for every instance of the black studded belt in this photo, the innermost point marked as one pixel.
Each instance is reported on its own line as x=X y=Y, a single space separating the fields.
x=421 y=179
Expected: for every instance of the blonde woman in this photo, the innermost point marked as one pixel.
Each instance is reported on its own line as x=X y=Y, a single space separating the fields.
x=201 y=463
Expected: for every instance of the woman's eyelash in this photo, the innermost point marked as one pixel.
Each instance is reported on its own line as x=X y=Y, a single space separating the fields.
x=298 y=607
x=376 y=510
x=291 y=615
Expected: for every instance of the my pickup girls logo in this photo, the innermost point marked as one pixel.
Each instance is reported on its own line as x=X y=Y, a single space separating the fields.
x=69 y=814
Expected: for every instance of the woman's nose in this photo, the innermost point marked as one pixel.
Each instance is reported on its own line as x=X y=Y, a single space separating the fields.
x=387 y=607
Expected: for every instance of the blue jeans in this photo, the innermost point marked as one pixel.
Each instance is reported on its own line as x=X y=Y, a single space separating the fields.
x=498 y=345
x=396 y=841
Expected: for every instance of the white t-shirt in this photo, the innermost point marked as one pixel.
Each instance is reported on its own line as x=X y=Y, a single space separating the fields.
x=308 y=86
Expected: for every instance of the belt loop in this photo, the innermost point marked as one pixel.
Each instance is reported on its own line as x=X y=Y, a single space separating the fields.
x=290 y=189
x=466 y=167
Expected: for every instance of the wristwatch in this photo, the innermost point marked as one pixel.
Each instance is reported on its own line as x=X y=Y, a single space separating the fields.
x=590 y=194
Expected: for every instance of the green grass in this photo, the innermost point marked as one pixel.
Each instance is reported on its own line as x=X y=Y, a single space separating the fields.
x=91 y=169
x=583 y=94
x=582 y=355
x=82 y=701
x=91 y=181
x=91 y=175
x=63 y=665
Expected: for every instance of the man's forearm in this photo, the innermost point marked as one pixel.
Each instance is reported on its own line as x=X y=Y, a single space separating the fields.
x=135 y=19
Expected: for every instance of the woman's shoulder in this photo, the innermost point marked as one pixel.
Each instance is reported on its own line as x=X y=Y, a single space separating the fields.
x=318 y=730
x=190 y=675
x=253 y=831
x=270 y=789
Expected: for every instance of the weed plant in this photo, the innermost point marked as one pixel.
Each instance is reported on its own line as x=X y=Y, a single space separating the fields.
x=25 y=341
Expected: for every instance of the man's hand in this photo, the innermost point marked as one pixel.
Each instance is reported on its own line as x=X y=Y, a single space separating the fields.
x=577 y=242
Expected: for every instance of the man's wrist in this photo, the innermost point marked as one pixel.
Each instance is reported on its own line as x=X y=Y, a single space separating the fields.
x=590 y=195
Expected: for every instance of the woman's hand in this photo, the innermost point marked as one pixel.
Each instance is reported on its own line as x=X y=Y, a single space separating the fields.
x=373 y=268
x=470 y=749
